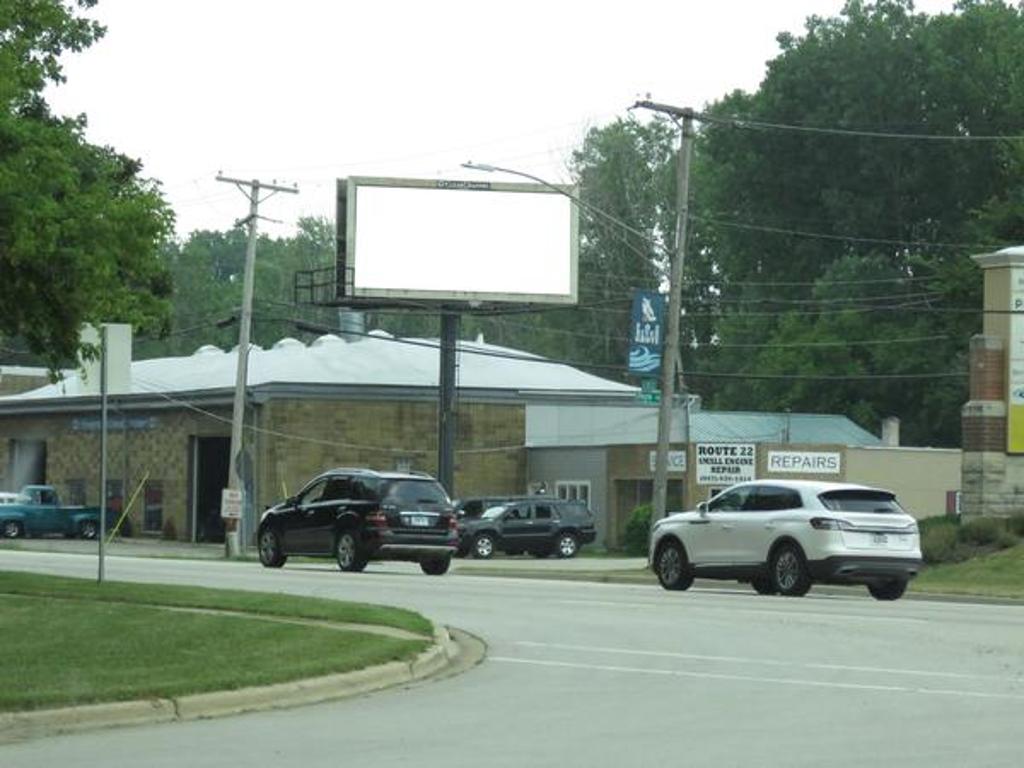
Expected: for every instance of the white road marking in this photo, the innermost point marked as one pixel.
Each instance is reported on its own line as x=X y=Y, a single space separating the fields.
x=733 y=609
x=758 y=679
x=763 y=661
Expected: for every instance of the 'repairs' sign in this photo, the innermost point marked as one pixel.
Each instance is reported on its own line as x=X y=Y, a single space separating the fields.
x=805 y=462
x=725 y=463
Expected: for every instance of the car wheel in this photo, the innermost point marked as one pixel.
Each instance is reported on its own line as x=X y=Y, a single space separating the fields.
x=346 y=550
x=271 y=555
x=888 y=590
x=789 y=575
x=435 y=567
x=12 y=529
x=88 y=529
x=763 y=585
x=483 y=546
x=567 y=545
x=672 y=567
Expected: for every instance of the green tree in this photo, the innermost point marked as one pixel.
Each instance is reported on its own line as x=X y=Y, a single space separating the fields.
x=207 y=270
x=80 y=229
x=874 y=204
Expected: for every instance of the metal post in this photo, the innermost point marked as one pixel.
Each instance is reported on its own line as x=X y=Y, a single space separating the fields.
x=670 y=354
x=446 y=414
x=234 y=540
x=103 y=451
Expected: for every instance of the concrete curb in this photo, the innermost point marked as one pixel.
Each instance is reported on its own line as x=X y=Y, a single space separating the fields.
x=442 y=654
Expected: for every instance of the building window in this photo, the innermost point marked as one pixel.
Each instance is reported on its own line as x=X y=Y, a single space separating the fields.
x=75 y=493
x=153 y=511
x=115 y=497
x=573 y=490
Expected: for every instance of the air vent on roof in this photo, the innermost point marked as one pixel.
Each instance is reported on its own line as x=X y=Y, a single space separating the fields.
x=380 y=333
x=208 y=349
x=289 y=343
x=327 y=338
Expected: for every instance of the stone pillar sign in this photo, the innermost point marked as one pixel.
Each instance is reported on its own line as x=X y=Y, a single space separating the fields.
x=993 y=420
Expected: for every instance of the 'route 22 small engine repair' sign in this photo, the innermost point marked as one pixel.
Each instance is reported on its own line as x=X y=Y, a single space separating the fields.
x=725 y=463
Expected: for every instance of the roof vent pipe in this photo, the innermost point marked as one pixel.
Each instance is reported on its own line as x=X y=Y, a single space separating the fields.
x=352 y=324
x=891 y=431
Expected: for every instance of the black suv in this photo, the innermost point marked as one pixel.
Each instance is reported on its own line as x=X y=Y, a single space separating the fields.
x=536 y=524
x=358 y=515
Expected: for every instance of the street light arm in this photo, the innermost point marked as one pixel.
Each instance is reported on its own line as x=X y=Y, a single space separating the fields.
x=488 y=168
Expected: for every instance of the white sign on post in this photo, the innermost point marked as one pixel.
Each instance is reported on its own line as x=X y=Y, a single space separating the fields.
x=231 y=504
x=725 y=463
x=676 y=461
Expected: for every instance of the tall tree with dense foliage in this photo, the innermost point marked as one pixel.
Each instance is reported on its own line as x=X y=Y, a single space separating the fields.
x=832 y=248
x=80 y=228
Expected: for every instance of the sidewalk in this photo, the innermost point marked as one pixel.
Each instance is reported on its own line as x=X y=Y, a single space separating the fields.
x=137 y=547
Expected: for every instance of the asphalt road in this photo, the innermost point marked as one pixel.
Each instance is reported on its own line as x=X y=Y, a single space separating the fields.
x=612 y=675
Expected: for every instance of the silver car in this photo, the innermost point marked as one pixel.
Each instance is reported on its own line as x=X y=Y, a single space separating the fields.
x=781 y=536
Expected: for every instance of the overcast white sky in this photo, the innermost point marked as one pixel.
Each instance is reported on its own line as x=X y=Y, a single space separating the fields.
x=306 y=91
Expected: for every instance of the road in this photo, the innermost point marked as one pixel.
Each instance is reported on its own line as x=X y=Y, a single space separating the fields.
x=611 y=675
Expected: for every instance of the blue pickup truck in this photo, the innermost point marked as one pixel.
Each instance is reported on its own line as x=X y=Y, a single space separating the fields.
x=37 y=511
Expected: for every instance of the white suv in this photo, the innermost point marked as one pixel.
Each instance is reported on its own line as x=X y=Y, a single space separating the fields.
x=783 y=535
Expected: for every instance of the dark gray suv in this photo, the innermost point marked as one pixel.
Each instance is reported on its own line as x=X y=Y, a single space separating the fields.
x=538 y=525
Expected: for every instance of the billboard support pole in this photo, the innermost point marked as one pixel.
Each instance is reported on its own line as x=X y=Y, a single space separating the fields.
x=446 y=412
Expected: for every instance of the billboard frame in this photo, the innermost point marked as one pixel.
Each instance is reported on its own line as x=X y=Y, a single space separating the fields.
x=347 y=256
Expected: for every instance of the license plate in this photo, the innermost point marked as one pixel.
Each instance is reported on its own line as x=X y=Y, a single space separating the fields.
x=879 y=538
x=418 y=521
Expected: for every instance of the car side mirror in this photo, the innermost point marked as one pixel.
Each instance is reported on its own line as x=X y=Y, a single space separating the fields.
x=702 y=508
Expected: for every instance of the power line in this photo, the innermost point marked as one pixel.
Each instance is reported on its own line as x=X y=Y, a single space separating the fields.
x=741 y=122
x=840 y=238
x=726 y=345
x=153 y=389
x=530 y=358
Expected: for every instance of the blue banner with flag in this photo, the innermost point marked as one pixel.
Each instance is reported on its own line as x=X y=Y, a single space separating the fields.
x=646 y=333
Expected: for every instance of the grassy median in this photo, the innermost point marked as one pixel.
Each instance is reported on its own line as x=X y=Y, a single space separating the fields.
x=71 y=641
x=1000 y=574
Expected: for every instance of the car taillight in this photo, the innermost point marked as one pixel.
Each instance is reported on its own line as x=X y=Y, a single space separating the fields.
x=829 y=524
x=377 y=520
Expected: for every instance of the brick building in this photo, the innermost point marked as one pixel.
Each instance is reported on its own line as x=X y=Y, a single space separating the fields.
x=369 y=402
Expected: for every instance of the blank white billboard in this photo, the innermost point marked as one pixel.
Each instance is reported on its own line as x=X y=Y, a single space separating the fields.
x=460 y=241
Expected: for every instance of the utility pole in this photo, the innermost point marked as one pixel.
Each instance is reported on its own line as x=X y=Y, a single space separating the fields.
x=670 y=354
x=234 y=536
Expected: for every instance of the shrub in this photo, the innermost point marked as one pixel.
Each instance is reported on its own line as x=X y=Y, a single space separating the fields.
x=170 y=531
x=1016 y=525
x=638 y=531
x=939 y=542
x=987 y=532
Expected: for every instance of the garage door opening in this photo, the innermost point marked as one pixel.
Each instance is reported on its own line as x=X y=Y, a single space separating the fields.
x=26 y=463
x=209 y=477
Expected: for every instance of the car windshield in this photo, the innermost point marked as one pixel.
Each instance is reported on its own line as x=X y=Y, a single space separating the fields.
x=853 y=500
x=404 y=492
x=493 y=512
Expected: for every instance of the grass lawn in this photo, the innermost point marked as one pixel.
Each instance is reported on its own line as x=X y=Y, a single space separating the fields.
x=997 y=575
x=266 y=603
x=70 y=642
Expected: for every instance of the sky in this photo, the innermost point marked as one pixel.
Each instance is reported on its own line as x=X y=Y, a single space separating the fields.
x=306 y=91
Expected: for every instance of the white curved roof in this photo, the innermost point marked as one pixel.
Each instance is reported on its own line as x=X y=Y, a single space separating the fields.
x=374 y=360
